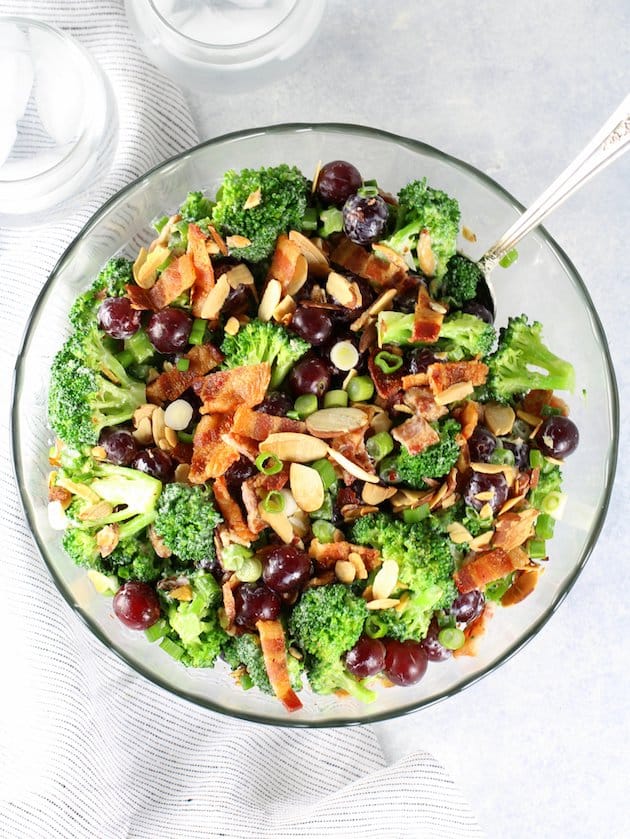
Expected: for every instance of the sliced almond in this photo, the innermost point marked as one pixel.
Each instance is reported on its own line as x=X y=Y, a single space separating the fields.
x=345 y=292
x=458 y=533
x=158 y=544
x=216 y=298
x=335 y=422
x=294 y=447
x=487 y=495
x=96 y=511
x=306 y=487
x=486 y=511
x=300 y=275
x=318 y=169
x=454 y=393
x=183 y=593
x=390 y=255
x=426 y=257
x=158 y=425
x=237 y=241
x=139 y=262
x=499 y=418
x=143 y=411
x=170 y=435
x=279 y=523
x=98 y=453
x=181 y=473
x=81 y=490
x=359 y=566
x=510 y=472
x=284 y=310
x=381 y=303
x=270 y=299
x=351 y=467
x=143 y=433
x=383 y=603
x=147 y=272
x=253 y=200
x=482 y=540
x=107 y=539
x=317 y=263
x=345 y=571
x=239 y=275
x=385 y=580
x=375 y=494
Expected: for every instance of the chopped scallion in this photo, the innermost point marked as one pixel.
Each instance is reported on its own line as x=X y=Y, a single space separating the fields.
x=268 y=463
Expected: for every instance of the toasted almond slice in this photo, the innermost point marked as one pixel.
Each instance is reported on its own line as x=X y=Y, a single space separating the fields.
x=335 y=422
x=499 y=418
x=294 y=447
x=81 y=490
x=375 y=494
x=183 y=593
x=306 y=486
x=345 y=292
x=510 y=472
x=181 y=473
x=380 y=304
x=468 y=234
x=270 y=299
x=107 y=539
x=486 y=511
x=300 y=275
x=147 y=273
x=317 y=263
x=215 y=299
x=170 y=435
x=351 y=467
x=284 y=310
x=359 y=566
x=383 y=603
x=96 y=511
x=237 y=241
x=98 y=453
x=458 y=533
x=482 y=540
x=487 y=495
x=530 y=419
x=165 y=232
x=253 y=200
x=239 y=275
x=380 y=421
x=385 y=580
x=510 y=503
x=454 y=393
x=143 y=433
x=232 y=326
x=158 y=425
x=139 y=262
x=158 y=544
x=426 y=257
x=318 y=169
x=279 y=523
x=143 y=411
x=345 y=571
x=390 y=255
x=212 y=248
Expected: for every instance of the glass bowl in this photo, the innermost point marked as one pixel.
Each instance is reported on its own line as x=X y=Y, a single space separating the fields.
x=543 y=283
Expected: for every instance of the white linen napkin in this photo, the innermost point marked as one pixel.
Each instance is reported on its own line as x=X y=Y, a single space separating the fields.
x=87 y=747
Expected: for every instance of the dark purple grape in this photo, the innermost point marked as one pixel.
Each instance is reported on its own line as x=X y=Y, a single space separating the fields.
x=432 y=647
x=154 y=462
x=286 y=569
x=237 y=302
x=312 y=324
x=342 y=316
x=136 y=605
x=366 y=658
x=481 y=445
x=468 y=606
x=472 y=307
x=364 y=219
x=168 y=330
x=275 y=403
x=117 y=318
x=310 y=375
x=520 y=450
x=420 y=360
x=238 y=473
x=119 y=444
x=479 y=482
x=337 y=181
x=254 y=602
x=405 y=662
x=558 y=437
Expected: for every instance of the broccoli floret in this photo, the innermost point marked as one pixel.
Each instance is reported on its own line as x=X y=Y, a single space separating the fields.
x=463 y=336
x=135 y=559
x=89 y=389
x=423 y=209
x=110 y=282
x=283 y=199
x=196 y=207
x=260 y=341
x=186 y=520
x=461 y=280
x=82 y=548
x=195 y=623
x=245 y=650
x=516 y=365
x=434 y=462
x=329 y=676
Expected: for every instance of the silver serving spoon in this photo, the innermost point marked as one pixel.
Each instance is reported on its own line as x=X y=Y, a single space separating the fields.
x=610 y=142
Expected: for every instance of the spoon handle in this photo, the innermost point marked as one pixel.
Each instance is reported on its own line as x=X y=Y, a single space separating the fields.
x=610 y=142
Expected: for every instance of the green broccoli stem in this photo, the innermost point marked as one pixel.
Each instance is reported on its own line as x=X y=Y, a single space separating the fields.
x=355 y=688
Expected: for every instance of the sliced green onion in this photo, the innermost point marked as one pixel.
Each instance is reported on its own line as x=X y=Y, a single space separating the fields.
x=293 y=414
x=125 y=357
x=305 y=405
x=332 y=221
x=183 y=364
x=268 y=464
x=174 y=650
x=273 y=502
x=452 y=638
x=185 y=436
x=309 y=219
x=198 y=331
x=367 y=190
x=250 y=570
x=159 y=223
x=536 y=459
x=371 y=182
x=157 y=630
x=415 y=514
x=344 y=355
x=326 y=510
x=509 y=258
x=553 y=504
x=388 y=362
x=245 y=681
x=380 y=445
x=335 y=399
x=544 y=526
x=388 y=470
x=140 y=346
x=326 y=472
x=360 y=389
x=323 y=531
x=537 y=548
x=375 y=627
x=502 y=456
x=495 y=591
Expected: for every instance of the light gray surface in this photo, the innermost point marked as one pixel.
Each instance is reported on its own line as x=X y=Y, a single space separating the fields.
x=516 y=89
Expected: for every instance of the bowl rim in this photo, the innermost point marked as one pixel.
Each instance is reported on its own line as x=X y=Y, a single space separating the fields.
x=342 y=721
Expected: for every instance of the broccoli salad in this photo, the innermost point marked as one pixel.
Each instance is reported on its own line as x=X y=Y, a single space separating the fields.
x=290 y=438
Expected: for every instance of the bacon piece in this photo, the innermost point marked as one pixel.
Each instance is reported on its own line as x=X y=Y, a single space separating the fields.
x=468 y=417
x=203 y=358
x=229 y=603
x=283 y=262
x=250 y=500
x=426 y=321
x=423 y=404
x=259 y=426
x=172 y=383
x=388 y=385
x=204 y=273
x=537 y=400
x=443 y=374
x=380 y=272
x=243 y=445
x=231 y=511
x=416 y=435
x=211 y=456
x=414 y=380
x=487 y=567
x=512 y=529
x=525 y=581
x=225 y=391
x=267 y=483
x=352 y=446
x=274 y=653
x=182 y=452
x=326 y=555
x=173 y=281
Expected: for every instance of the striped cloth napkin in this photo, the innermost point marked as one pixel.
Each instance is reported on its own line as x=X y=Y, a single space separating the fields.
x=87 y=747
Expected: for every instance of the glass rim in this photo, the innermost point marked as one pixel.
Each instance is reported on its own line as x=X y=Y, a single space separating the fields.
x=512 y=649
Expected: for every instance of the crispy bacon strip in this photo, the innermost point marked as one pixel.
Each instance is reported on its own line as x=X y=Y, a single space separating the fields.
x=250 y=500
x=388 y=385
x=283 y=262
x=512 y=529
x=211 y=456
x=203 y=358
x=422 y=403
x=416 y=434
x=259 y=426
x=173 y=281
x=231 y=511
x=468 y=417
x=225 y=391
x=243 y=445
x=229 y=603
x=380 y=272
x=172 y=383
x=426 y=322
x=204 y=273
x=414 y=380
x=352 y=446
x=327 y=554
x=443 y=374
x=536 y=400
x=487 y=567
x=275 y=657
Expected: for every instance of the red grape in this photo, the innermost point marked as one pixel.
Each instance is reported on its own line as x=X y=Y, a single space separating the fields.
x=238 y=301
x=310 y=375
x=238 y=473
x=366 y=658
x=154 y=462
x=364 y=219
x=117 y=318
x=431 y=645
x=337 y=181
x=286 y=569
x=136 y=605
x=481 y=444
x=275 y=403
x=405 y=662
x=119 y=444
x=312 y=324
x=420 y=360
x=558 y=437
x=468 y=606
x=479 y=482
x=254 y=602
x=168 y=330
x=472 y=307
